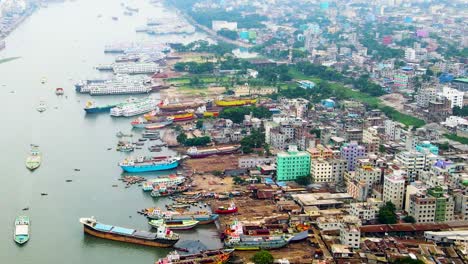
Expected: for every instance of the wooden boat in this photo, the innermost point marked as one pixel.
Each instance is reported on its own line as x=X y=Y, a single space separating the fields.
x=217 y=256
x=174 y=224
x=22 y=224
x=33 y=161
x=229 y=210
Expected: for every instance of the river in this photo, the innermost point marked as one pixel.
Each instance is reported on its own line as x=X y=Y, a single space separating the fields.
x=63 y=43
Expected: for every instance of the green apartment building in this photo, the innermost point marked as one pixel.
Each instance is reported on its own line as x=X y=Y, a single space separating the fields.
x=292 y=164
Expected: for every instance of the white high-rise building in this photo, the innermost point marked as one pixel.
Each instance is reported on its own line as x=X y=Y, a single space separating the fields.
x=394 y=190
x=413 y=162
x=321 y=171
x=455 y=96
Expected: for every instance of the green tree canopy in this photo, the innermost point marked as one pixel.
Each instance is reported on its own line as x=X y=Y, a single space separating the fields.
x=263 y=257
x=387 y=214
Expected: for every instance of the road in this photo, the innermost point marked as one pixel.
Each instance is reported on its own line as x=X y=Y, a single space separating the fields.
x=213 y=33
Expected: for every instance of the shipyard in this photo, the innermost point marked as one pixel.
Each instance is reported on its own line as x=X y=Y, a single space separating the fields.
x=206 y=131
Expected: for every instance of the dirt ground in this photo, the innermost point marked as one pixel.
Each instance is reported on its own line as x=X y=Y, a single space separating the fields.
x=253 y=210
x=211 y=183
x=300 y=252
x=394 y=100
x=213 y=163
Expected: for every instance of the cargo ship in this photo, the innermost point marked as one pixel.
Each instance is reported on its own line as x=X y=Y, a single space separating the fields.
x=92 y=107
x=243 y=242
x=203 y=217
x=133 y=109
x=22 y=224
x=234 y=102
x=162 y=238
x=144 y=165
x=218 y=256
x=178 y=117
x=196 y=153
x=33 y=161
x=174 y=224
x=167 y=105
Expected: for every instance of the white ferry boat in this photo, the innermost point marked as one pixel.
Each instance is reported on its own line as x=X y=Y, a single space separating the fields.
x=141 y=107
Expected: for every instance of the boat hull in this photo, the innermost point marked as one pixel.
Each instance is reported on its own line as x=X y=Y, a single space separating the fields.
x=115 y=237
x=98 y=109
x=145 y=168
x=227 y=211
x=21 y=241
x=202 y=219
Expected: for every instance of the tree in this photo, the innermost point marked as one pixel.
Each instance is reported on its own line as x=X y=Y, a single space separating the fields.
x=316 y=131
x=387 y=214
x=238 y=180
x=304 y=180
x=197 y=141
x=382 y=148
x=182 y=138
x=230 y=34
x=408 y=260
x=457 y=111
x=409 y=219
x=256 y=139
x=199 y=124
x=444 y=146
x=263 y=257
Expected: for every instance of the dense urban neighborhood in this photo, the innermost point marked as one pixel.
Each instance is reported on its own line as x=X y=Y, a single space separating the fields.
x=310 y=131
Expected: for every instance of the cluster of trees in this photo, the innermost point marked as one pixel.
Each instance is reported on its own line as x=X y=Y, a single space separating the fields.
x=204 y=46
x=274 y=74
x=460 y=111
x=320 y=71
x=205 y=17
x=196 y=141
x=263 y=257
x=194 y=67
x=256 y=139
x=236 y=114
x=387 y=214
x=380 y=51
x=230 y=34
x=363 y=83
x=232 y=63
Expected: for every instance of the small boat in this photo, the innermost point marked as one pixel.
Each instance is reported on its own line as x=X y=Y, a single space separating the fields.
x=300 y=236
x=122 y=134
x=229 y=210
x=216 y=256
x=174 y=224
x=22 y=224
x=33 y=161
x=59 y=91
x=180 y=205
x=154 y=149
x=41 y=107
